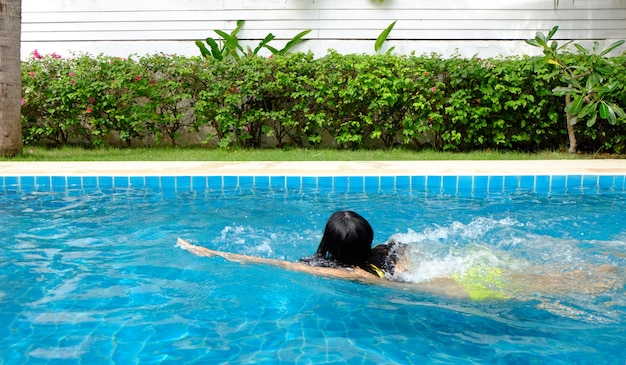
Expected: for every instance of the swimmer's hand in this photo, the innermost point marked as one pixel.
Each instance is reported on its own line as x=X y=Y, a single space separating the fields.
x=203 y=251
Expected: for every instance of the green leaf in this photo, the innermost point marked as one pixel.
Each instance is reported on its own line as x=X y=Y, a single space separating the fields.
x=601 y=89
x=574 y=83
x=561 y=90
x=610 y=48
x=607 y=112
x=565 y=45
x=581 y=49
x=268 y=38
x=203 y=50
x=231 y=43
x=553 y=30
x=382 y=37
x=594 y=79
x=596 y=45
x=215 y=49
x=604 y=110
x=554 y=46
x=619 y=111
x=612 y=86
x=295 y=40
x=587 y=110
x=272 y=49
x=532 y=42
x=592 y=120
x=612 y=116
x=576 y=105
x=541 y=39
x=235 y=31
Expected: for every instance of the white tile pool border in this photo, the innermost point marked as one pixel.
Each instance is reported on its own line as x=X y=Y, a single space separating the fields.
x=462 y=178
x=315 y=168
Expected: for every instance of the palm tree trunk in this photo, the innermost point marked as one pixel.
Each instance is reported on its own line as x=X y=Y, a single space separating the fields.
x=10 y=77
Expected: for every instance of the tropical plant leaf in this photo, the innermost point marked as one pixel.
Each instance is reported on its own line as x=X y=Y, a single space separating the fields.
x=203 y=50
x=541 y=40
x=600 y=89
x=295 y=40
x=618 y=111
x=235 y=31
x=272 y=49
x=552 y=32
x=611 y=114
x=565 y=45
x=592 y=120
x=604 y=69
x=576 y=105
x=588 y=109
x=532 y=42
x=215 y=48
x=562 y=90
x=231 y=44
x=604 y=110
x=268 y=38
x=581 y=49
x=382 y=37
x=610 y=48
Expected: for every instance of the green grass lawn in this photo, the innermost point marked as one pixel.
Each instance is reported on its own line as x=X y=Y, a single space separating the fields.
x=201 y=154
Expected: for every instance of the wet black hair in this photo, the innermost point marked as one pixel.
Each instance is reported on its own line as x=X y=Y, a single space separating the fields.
x=347 y=239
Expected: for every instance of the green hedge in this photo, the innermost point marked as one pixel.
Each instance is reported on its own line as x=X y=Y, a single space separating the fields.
x=348 y=101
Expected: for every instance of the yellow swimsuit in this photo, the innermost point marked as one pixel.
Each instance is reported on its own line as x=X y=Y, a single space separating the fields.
x=482 y=283
x=376 y=271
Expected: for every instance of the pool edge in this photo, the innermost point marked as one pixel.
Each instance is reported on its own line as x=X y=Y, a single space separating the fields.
x=314 y=168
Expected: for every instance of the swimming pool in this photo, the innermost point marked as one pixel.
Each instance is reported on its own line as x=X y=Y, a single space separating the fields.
x=90 y=272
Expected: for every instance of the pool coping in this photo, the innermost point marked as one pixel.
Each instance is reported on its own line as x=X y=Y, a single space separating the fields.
x=315 y=168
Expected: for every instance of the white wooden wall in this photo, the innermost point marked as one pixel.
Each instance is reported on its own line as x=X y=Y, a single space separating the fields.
x=483 y=27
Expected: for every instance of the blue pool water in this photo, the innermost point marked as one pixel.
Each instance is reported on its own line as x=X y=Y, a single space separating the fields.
x=89 y=271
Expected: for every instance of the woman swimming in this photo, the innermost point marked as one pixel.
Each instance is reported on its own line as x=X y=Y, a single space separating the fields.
x=345 y=252
x=347 y=242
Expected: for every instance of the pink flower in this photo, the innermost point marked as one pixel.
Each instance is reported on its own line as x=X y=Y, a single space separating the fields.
x=137 y=77
x=71 y=74
x=433 y=89
x=31 y=74
x=22 y=102
x=57 y=56
x=235 y=90
x=245 y=128
x=271 y=56
x=36 y=55
x=31 y=151
x=425 y=73
x=72 y=82
x=88 y=110
x=92 y=99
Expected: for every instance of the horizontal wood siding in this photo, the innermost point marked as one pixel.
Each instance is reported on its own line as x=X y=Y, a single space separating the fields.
x=75 y=24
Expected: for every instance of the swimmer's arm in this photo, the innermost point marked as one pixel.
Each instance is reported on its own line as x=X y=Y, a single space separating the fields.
x=347 y=273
